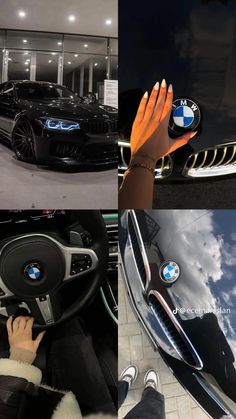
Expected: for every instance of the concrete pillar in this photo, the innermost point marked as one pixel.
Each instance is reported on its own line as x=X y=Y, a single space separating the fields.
x=5 y=65
x=81 y=81
x=60 y=69
x=33 y=66
x=90 y=87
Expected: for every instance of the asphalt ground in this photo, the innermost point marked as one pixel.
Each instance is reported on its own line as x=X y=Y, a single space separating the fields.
x=220 y=193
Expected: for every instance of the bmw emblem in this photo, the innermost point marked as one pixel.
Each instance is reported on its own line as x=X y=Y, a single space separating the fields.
x=169 y=272
x=33 y=271
x=185 y=116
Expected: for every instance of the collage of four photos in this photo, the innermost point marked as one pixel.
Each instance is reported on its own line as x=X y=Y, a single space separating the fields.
x=118 y=209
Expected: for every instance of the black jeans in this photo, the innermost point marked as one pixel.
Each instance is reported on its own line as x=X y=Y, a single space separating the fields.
x=151 y=406
x=73 y=365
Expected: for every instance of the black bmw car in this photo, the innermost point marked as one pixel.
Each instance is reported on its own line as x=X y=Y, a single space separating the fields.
x=47 y=123
x=179 y=271
x=192 y=45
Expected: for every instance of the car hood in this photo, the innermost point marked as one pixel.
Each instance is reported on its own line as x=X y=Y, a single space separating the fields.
x=196 y=51
x=203 y=244
x=70 y=109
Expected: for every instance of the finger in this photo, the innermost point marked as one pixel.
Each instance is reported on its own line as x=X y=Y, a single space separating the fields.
x=9 y=327
x=16 y=323
x=183 y=140
x=152 y=102
x=39 y=338
x=168 y=104
x=29 y=324
x=141 y=108
x=22 y=323
x=160 y=102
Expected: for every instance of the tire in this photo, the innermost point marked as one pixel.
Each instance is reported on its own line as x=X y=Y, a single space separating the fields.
x=23 y=142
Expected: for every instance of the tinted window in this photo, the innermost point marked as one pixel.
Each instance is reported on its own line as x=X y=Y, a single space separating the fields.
x=43 y=91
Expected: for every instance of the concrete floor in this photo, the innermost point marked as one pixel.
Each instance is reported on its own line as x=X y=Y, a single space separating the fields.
x=24 y=186
x=135 y=348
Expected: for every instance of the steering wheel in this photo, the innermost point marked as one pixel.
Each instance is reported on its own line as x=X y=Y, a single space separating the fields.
x=34 y=268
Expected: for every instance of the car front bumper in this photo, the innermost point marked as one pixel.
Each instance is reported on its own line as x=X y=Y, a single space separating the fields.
x=74 y=148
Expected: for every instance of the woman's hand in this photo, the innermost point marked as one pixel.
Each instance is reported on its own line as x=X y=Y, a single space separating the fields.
x=20 y=334
x=150 y=138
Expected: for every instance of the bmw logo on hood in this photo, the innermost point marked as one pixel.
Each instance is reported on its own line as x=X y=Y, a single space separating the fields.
x=33 y=271
x=185 y=116
x=169 y=272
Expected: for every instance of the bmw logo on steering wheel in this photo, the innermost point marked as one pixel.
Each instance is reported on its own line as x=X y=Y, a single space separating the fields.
x=33 y=271
x=169 y=272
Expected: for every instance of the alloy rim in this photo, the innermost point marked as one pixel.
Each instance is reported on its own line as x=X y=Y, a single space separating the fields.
x=23 y=141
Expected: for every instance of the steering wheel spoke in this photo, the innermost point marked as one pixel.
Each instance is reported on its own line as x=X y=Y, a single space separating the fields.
x=79 y=261
x=45 y=309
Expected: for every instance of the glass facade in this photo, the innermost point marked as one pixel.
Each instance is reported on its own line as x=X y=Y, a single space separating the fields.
x=81 y=63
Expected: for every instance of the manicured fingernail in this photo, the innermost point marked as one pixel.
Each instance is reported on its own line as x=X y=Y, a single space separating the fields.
x=170 y=88
x=156 y=87
x=193 y=134
x=145 y=95
x=163 y=83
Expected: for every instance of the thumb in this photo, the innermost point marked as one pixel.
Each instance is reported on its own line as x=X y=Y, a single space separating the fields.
x=183 y=140
x=39 y=338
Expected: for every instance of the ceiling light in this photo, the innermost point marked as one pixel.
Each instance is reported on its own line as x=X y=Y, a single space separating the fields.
x=21 y=13
x=9 y=59
x=49 y=61
x=26 y=63
x=108 y=22
x=106 y=58
x=28 y=60
x=69 y=62
x=85 y=45
x=96 y=64
x=75 y=55
x=53 y=53
x=24 y=41
x=71 y=18
x=27 y=69
x=59 y=43
x=26 y=53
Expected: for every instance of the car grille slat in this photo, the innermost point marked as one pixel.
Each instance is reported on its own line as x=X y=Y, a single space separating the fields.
x=163 y=167
x=99 y=126
x=214 y=161
x=173 y=330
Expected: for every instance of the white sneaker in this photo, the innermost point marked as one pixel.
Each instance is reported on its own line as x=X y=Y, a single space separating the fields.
x=129 y=374
x=151 y=379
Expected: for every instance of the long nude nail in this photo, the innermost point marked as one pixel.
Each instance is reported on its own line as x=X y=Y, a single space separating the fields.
x=156 y=87
x=145 y=95
x=170 y=88
x=163 y=83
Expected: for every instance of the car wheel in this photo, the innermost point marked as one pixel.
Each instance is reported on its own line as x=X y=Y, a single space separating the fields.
x=23 y=141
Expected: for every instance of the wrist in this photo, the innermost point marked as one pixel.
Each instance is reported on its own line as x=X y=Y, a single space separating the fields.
x=143 y=159
x=22 y=355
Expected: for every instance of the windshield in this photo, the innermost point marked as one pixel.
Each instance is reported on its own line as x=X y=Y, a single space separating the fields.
x=35 y=91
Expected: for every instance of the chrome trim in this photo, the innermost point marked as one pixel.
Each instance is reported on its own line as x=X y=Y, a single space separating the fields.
x=45 y=308
x=132 y=304
x=142 y=249
x=165 y=163
x=67 y=254
x=225 y=166
x=179 y=329
x=211 y=393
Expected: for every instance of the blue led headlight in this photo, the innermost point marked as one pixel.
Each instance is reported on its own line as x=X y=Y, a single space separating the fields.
x=59 y=125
